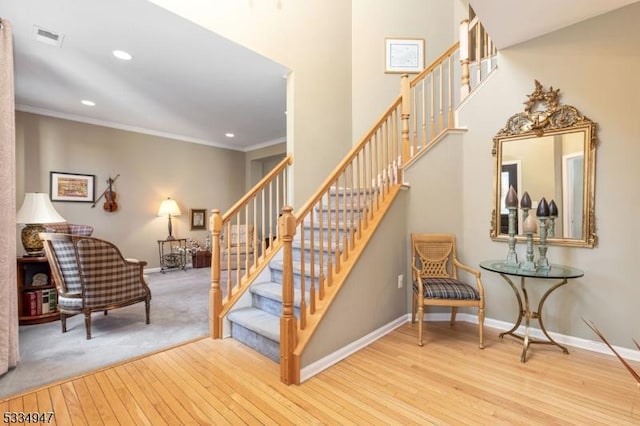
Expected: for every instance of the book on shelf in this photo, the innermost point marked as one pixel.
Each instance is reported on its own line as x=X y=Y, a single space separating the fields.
x=29 y=303
x=39 y=302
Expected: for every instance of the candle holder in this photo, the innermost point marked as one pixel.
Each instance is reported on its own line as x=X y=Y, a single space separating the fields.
x=511 y=202
x=543 y=215
x=529 y=227
x=529 y=264
x=553 y=214
x=543 y=262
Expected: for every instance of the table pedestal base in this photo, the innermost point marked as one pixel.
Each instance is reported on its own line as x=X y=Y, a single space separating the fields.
x=526 y=313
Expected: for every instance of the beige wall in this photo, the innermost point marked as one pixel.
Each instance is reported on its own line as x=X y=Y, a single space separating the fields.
x=370 y=299
x=259 y=162
x=151 y=168
x=594 y=63
x=375 y=20
x=313 y=39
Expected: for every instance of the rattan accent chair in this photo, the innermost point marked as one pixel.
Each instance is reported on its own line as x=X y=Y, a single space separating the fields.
x=91 y=275
x=435 y=267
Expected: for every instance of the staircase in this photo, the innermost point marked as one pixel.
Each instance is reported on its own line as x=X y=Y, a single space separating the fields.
x=290 y=283
x=258 y=326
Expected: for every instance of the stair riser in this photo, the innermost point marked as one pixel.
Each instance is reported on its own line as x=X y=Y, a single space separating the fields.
x=271 y=306
x=325 y=235
x=340 y=215
x=297 y=253
x=263 y=345
x=276 y=277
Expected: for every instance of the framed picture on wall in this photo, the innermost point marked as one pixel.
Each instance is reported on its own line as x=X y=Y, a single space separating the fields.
x=198 y=219
x=72 y=187
x=404 y=55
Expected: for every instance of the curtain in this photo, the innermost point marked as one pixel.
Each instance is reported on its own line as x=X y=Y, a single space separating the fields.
x=9 y=353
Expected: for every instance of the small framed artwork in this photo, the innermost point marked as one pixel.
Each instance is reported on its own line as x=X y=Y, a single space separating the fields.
x=198 y=219
x=72 y=187
x=404 y=55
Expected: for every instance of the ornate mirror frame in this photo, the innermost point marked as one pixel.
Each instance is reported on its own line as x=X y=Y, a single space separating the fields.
x=544 y=116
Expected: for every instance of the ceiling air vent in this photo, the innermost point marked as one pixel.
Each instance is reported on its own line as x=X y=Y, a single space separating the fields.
x=47 y=36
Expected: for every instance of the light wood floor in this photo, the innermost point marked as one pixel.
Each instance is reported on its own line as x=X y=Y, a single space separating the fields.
x=393 y=381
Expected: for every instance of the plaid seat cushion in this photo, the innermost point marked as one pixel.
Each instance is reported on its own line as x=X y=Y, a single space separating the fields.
x=447 y=288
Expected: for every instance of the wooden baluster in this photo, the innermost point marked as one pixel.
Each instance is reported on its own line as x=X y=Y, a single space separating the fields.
x=321 y=244
x=478 y=54
x=432 y=109
x=450 y=117
x=288 y=322
x=465 y=86
x=441 y=101
x=406 y=113
x=215 y=297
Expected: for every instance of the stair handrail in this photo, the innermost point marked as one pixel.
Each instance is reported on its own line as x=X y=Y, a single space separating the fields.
x=384 y=149
x=238 y=282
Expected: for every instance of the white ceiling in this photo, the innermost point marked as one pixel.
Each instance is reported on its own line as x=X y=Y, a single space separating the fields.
x=183 y=82
x=186 y=82
x=510 y=22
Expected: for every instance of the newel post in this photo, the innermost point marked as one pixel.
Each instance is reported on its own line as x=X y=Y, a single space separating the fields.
x=405 y=113
x=465 y=84
x=288 y=324
x=215 y=296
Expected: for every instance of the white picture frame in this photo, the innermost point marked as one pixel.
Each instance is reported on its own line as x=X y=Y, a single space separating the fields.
x=404 y=55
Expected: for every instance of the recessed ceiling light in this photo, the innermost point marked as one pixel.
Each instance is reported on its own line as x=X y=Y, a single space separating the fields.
x=229 y=135
x=87 y=102
x=121 y=54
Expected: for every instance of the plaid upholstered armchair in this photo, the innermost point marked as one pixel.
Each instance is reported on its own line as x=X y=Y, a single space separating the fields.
x=91 y=275
x=69 y=228
x=435 y=268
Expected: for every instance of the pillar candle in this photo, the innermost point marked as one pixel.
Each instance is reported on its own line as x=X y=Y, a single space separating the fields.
x=530 y=225
x=512 y=198
x=543 y=208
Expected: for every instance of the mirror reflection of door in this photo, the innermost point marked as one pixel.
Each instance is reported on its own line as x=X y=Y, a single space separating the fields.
x=572 y=176
x=509 y=177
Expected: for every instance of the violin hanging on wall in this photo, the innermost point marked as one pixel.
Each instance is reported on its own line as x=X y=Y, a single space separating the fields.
x=110 y=203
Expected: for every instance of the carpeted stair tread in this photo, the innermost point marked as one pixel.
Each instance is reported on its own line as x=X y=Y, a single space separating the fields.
x=273 y=291
x=278 y=265
x=297 y=244
x=258 y=321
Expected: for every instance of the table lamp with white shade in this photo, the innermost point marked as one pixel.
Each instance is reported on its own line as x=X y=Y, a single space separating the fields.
x=36 y=210
x=169 y=208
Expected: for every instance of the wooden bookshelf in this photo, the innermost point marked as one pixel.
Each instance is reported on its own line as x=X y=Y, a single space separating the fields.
x=34 y=276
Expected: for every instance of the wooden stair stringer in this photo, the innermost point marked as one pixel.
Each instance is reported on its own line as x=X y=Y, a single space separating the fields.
x=313 y=320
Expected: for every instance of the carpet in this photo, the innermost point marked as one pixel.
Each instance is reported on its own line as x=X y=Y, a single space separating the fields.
x=179 y=312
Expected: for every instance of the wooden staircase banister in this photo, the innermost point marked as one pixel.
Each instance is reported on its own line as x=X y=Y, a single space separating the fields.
x=287 y=161
x=325 y=186
x=436 y=63
x=332 y=228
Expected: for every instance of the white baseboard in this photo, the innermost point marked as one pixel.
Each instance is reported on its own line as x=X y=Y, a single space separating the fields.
x=337 y=356
x=577 y=342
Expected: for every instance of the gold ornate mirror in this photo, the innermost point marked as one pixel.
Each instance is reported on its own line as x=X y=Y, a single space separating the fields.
x=549 y=150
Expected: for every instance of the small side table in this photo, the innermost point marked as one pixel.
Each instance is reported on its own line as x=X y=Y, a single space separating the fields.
x=173 y=254
x=564 y=273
